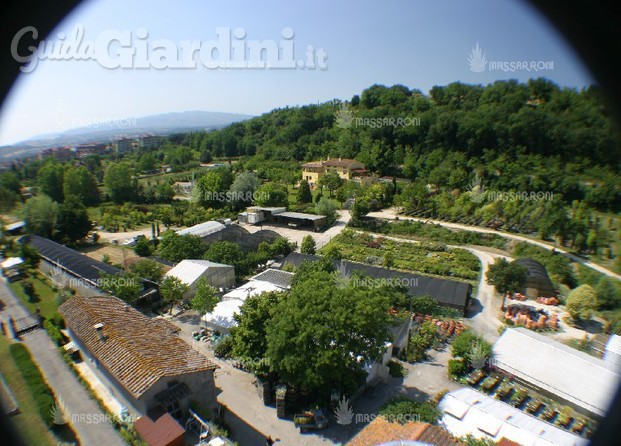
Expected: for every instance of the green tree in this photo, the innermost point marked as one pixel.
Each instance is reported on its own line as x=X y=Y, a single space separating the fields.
x=272 y=194
x=359 y=209
x=250 y=334
x=10 y=182
x=321 y=336
x=205 y=157
x=147 y=162
x=50 y=180
x=225 y=252
x=40 y=215
x=608 y=293
x=79 y=182
x=328 y=208
x=30 y=255
x=8 y=199
x=205 y=299
x=125 y=286
x=506 y=276
x=119 y=183
x=581 y=302
x=330 y=180
x=210 y=189
x=175 y=247
x=72 y=222
x=148 y=269
x=165 y=193
x=304 y=193
x=242 y=189
x=172 y=290
x=332 y=252
x=308 y=245
x=143 y=247
x=468 y=346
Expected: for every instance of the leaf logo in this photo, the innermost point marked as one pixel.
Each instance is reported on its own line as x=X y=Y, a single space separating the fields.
x=344 y=116
x=477 y=60
x=344 y=413
x=60 y=412
x=476 y=189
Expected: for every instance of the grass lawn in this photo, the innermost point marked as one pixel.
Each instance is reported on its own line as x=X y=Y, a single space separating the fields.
x=45 y=297
x=27 y=423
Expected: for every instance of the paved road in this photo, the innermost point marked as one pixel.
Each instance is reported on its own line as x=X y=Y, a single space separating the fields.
x=390 y=214
x=61 y=379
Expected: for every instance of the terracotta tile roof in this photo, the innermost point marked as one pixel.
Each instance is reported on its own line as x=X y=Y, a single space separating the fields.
x=381 y=430
x=137 y=350
x=163 y=432
x=341 y=162
x=506 y=442
x=313 y=164
x=338 y=162
x=437 y=436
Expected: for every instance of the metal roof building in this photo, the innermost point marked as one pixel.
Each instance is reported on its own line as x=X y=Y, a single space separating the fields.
x=71 y=261
x=281 y=279
x=575 y=377
x=189 y=272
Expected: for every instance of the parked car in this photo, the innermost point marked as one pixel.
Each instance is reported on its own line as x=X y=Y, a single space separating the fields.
x=310 y=420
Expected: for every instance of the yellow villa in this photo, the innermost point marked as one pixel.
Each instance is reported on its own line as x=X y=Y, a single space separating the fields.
x=348 y=169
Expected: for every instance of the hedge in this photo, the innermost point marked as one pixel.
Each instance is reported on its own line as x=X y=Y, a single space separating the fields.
x=41 y=394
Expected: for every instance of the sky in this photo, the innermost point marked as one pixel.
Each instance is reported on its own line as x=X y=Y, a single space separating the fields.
x=417 y=43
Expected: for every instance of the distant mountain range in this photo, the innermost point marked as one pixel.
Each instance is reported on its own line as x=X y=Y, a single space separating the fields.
x=105 y=131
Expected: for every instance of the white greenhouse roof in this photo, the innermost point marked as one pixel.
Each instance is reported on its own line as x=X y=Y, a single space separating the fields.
x=486 y=417
x=222 y=315
x=189 y=271
x=203 y=229
x=575 y=376
x=251 y=288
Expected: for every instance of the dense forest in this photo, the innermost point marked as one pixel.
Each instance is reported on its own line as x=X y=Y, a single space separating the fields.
x=514 y=136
